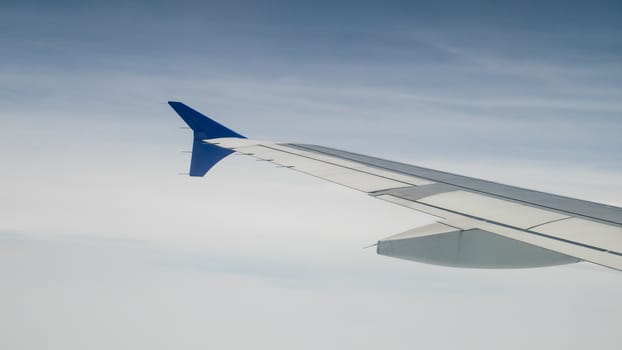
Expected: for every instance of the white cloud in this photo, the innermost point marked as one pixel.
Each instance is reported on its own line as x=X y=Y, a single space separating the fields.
x=102 y=245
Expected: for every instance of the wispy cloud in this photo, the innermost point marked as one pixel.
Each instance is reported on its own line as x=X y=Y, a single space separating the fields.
x=96 y=225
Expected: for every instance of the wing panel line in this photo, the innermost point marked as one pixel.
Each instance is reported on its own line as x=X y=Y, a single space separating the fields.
x=492 y=194
x=331 y=163
x=526 y=230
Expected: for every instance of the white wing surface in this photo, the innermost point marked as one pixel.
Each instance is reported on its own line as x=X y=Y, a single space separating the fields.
x=481 y=224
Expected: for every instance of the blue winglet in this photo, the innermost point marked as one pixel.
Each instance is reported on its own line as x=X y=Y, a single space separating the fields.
x=204 y=155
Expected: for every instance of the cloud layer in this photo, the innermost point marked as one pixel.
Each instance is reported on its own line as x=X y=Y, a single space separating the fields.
x=102 y=245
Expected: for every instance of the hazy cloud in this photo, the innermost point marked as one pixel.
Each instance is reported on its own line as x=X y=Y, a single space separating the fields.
x=102 y=245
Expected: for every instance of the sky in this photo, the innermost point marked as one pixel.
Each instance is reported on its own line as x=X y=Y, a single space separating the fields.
x=103 y=245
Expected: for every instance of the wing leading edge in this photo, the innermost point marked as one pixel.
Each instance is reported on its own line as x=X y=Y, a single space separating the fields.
x=481 y=224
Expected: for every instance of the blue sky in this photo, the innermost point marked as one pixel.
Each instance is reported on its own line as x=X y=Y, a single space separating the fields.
x=548 y=70
x=103 y=245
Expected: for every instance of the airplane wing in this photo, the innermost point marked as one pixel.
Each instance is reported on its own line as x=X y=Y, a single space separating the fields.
x=481 y=224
